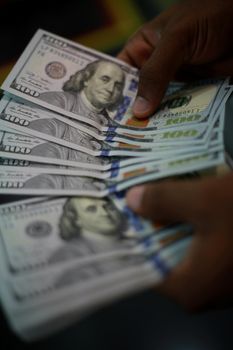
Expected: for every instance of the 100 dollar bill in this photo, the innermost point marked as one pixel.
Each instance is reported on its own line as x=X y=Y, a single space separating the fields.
x=35 y=121
x=48 y=74
x=12 y=182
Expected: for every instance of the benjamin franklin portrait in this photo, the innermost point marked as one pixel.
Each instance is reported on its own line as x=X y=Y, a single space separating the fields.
x=92 y=92
x=97 y=215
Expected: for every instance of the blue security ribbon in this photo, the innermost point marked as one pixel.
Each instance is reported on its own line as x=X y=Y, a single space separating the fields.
x=160 y=264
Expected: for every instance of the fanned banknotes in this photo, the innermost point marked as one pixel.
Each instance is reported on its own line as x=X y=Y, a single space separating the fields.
x=52 y=72
x=67 y=129
x=61 y=253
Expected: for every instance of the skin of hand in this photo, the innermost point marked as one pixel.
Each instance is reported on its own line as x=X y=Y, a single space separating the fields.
x=204 y=278
x=189 y=39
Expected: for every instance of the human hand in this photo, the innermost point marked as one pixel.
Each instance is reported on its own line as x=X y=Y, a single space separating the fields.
x=191 y=38
x=205 y=277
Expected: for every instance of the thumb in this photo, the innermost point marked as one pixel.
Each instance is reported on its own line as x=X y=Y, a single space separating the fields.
x=159 y=69
x=166 y=201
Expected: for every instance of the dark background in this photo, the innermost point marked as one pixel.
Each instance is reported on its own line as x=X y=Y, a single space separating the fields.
x=101 y=24
x=145 y=321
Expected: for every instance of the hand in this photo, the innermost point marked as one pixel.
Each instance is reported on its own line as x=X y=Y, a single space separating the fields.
x=205 y=277
x=191 y=38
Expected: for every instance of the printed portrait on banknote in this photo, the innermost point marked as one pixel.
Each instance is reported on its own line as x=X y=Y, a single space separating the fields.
x=97 y=215
x=92 y=92
x=57 y=230
x=86 y=225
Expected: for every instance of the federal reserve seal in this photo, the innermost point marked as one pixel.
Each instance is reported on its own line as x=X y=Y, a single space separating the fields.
x=39 y=229
x=55 y=70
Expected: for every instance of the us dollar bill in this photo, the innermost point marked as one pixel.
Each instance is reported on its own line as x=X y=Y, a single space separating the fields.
x=88 y=145
x=74 y=273
x=40 y=317
x=94 y=88
x=141 y=168
x=33 y=309
x=22 y=146
x=37 y=234
x=169 y=119
x=18 y=147
x=67 y=65
x=96 y=274
x=13 y=182
x=26 y=166
x=35 y=121
x=126 y=168
x=42 y=232
x=23 y=150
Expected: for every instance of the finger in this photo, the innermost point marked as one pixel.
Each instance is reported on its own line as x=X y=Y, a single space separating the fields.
x=137 y=51
x=141 y=44
x=167 y=201
x=168 y=56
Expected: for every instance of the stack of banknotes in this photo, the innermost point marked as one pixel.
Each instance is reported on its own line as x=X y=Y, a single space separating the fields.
x=65 y=131
x=68 y=132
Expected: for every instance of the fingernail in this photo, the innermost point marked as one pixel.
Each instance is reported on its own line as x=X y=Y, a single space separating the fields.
x=141 y=105
x=134 y=197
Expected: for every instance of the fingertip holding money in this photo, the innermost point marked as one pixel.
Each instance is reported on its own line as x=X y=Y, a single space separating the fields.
x=141 y=107
x=134 y=197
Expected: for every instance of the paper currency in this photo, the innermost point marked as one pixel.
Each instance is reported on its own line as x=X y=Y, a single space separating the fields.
x=24 y=147
x=35 y=121
x=12 y=182
x=49 y=232
x=94 y=88
x=27 y=148
x=32 y=284
x=42 y=233
x=77 y=295
x=96 y=148
x=140 y=168
x=182 y=110
x=127 y=167
x=67 y=129
x=76 y=63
